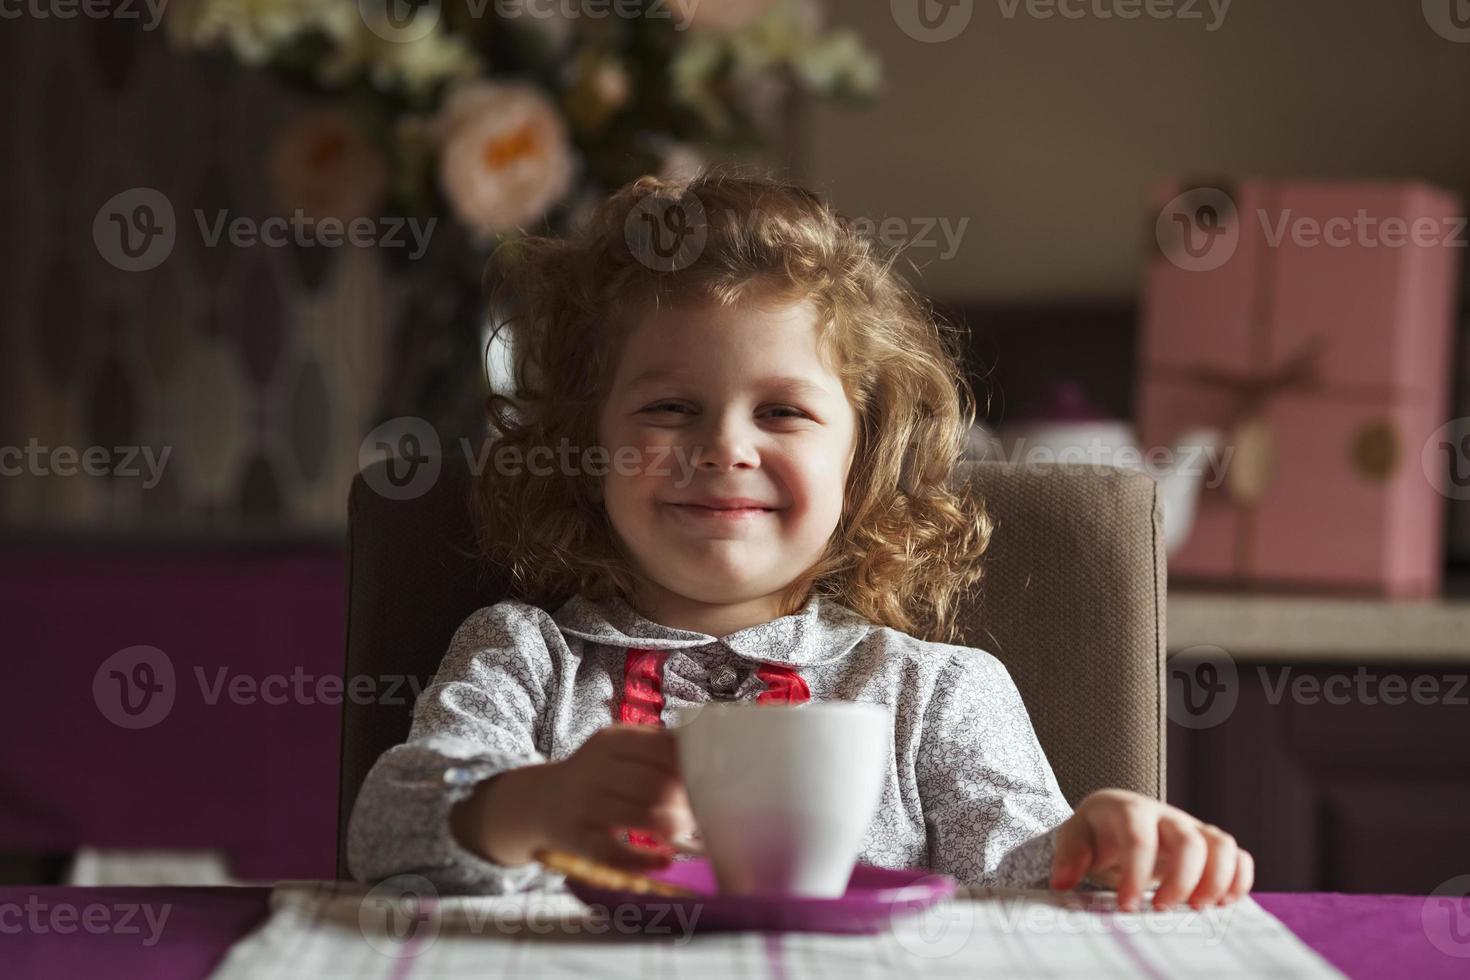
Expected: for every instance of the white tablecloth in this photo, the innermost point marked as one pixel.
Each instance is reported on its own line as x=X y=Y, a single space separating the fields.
x=401 y=929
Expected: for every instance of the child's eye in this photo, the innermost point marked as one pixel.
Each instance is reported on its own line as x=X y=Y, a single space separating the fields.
x=795 y=412
x=665 y=407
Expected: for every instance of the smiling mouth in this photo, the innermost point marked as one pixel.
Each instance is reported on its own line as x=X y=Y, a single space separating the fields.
x=722 y=513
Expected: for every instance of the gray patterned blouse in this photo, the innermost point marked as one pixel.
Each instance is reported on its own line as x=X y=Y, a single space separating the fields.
x=968 y=790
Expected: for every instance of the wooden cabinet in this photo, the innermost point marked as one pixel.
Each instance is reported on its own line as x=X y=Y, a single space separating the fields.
x=1340 y=773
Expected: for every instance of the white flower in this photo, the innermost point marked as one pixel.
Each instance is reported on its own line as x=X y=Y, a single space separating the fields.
x=255 y=29
x=504 y=155
x=838 y=61
x=417 y=62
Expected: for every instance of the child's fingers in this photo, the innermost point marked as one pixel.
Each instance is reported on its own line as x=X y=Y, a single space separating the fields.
x=646 y=745
x=619 y=810
x=1245 y=876
x=1182 y=862
x=1137 y=846
x=1072 y=857
x=599 y=844
x=625 y=777
x=1219 y=870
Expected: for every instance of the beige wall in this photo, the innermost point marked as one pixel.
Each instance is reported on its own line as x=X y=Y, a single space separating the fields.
x=1045 y=133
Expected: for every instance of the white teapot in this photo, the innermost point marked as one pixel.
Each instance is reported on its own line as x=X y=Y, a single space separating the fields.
x=1070 y=430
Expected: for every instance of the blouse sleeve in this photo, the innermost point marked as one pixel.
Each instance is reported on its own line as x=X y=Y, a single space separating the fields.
x=482 y=715
x=991 y=802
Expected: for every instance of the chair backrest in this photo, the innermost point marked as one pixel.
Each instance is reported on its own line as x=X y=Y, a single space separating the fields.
x=1072 y=603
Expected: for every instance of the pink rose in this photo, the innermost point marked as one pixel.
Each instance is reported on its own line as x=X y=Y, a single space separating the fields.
x=322 y=164
x=504 y=154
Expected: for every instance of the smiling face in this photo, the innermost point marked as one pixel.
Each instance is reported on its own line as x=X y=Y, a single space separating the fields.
x=745 y=437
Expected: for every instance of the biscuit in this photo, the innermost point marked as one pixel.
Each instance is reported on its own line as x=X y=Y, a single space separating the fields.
x=601 y=875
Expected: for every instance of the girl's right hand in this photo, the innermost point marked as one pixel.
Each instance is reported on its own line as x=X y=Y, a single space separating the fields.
x=624 y=777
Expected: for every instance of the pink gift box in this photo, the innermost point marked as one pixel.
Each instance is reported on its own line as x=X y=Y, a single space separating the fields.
x=1312 y=323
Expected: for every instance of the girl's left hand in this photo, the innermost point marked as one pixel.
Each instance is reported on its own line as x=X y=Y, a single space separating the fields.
x=1129 y=842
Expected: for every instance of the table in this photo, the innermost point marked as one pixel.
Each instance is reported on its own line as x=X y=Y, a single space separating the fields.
x=60 y=931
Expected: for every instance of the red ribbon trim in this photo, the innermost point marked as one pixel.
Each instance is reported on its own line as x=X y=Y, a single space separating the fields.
x=783 y=685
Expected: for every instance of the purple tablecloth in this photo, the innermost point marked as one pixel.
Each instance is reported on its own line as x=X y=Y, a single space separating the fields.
x=165 y=933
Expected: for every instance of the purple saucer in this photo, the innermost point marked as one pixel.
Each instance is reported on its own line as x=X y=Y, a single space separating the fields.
x=875 y=898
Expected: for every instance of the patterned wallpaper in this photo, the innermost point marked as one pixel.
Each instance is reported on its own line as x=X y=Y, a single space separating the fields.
x=257 y=369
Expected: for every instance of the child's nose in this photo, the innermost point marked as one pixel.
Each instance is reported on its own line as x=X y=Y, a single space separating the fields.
x=726 y=444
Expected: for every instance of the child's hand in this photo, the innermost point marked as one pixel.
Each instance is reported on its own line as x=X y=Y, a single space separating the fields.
x=623 y=776
x=1126 y=841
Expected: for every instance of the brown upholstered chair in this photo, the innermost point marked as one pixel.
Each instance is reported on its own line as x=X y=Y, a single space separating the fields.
x=1073 y=604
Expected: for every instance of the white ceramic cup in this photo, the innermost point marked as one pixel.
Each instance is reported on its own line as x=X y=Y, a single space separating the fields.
x=784 y=794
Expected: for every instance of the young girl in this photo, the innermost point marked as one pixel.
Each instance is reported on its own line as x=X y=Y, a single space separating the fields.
x=749 y=431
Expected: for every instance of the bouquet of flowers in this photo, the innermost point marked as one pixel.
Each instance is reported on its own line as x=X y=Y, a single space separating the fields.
x=513 y=113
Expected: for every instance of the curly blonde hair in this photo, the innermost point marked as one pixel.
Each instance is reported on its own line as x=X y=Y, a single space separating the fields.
x=907 y=546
